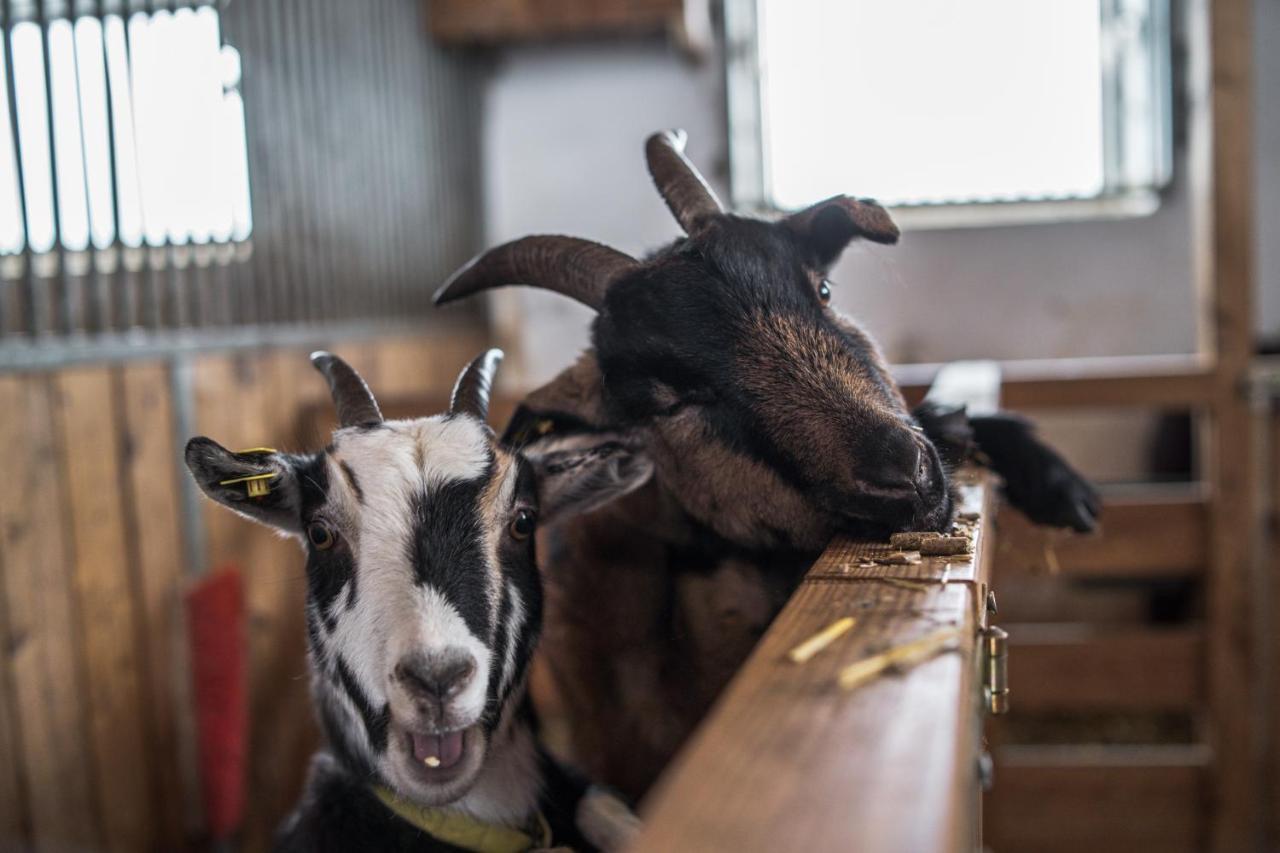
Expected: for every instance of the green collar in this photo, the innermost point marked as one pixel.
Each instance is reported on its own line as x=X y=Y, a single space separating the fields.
x=462 y=830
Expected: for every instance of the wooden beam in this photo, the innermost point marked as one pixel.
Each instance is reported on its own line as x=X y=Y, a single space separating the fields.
x=1101 y=799
x=788 y=760
x=1146 y=532
x=1165 y=381
x=1272 y=566
x=1220 y=157
x=1089 y=668
x=499 y=21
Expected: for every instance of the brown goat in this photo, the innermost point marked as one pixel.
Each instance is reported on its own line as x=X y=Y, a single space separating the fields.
x=771 y=423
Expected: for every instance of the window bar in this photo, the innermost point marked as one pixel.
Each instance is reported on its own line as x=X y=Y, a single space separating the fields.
x=176 y=251
x=125 y=189
x=86 y=32
x=56 y=289
x=14 y=308
x=68 y=163
x=151 y=248
x=108 y=257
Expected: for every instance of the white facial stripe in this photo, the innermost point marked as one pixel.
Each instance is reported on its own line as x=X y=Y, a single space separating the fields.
x=515 y=622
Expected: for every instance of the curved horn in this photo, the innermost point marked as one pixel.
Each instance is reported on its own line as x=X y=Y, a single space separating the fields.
x=679 y=183
x=355 y=403
x=471 y=393
x=579 y=269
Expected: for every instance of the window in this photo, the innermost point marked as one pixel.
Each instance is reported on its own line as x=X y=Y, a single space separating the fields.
x=127 y=131
x=1012 y=108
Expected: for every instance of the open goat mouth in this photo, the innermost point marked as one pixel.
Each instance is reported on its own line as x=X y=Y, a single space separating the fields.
x=438 y=757
x=438 y=751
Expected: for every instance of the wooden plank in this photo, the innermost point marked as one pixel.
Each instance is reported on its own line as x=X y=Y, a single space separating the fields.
x=44 y=650
x=1100 y=799
x=150 y=462
x=761 y=772
x=1221 y=177
x=1272 y=567
x=1147 y=532
x=1164 y=381
x=106 y=596
x=494 y=21
x=1086 y=668
x=13 y=807
x=249 y=400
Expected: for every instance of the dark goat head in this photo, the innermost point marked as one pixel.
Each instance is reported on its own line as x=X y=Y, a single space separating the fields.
x=769 y=416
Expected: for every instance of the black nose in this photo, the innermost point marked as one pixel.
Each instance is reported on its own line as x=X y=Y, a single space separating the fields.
x=896 y=461
x=436 y=677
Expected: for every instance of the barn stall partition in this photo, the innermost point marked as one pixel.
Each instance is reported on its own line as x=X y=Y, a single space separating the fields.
x=114 y=351
x=1125 y=730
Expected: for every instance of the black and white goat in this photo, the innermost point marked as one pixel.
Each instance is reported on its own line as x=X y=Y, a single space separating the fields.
x=771 y=423
x=424 y=604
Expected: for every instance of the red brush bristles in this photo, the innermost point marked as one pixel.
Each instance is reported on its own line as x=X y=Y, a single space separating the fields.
x=216 y=631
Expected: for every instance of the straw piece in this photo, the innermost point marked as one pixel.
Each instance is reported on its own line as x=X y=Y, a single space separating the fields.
x=900 y=657
x=903 y=583
x=820 y=640
x=945 y=546
x=899 y=558
x=911 y=541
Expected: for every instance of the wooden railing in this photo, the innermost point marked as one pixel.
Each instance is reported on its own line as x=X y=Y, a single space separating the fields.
x=802 y=756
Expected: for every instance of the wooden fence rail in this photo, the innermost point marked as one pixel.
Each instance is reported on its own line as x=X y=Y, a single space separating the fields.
x=792 y=759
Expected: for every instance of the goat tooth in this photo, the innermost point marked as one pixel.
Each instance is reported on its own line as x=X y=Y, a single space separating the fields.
x=431 y=761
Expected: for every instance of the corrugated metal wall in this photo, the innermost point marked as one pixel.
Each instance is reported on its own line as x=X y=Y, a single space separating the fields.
x=362 y=136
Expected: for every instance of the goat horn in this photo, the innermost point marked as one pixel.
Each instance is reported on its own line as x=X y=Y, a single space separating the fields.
x=471 y=393
x=579 y=269
x=863 y=217
x=354 y=401
x=681 y=186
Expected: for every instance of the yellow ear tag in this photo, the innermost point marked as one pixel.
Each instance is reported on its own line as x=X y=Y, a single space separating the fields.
x=256 y=485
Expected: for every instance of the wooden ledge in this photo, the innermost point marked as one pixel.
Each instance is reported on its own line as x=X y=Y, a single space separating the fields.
x=790 y=760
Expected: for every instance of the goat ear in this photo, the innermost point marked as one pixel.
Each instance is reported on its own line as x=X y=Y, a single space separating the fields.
x=571 y=402
x=581 y=461
x=262 y=487
x=584 y=471
x=828 y=226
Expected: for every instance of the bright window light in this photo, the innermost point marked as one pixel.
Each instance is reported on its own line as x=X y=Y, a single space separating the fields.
x=927 y=102
x=97 y=134
x=33 y=134
x=148 y=144
x=13 y=237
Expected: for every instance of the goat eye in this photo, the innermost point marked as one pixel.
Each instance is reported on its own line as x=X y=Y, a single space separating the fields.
x=523 y=524
x=824 y=292
x=320 y=536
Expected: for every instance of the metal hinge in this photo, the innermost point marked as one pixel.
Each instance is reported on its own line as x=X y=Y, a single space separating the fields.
x=995 y=646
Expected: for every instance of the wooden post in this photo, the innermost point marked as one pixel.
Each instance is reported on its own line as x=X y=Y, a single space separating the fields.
x=1220 y=150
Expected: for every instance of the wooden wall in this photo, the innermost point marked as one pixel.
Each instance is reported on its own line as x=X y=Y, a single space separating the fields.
x=96 y=733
